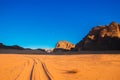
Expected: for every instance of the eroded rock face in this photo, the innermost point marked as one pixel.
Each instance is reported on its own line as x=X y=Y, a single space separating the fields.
x=101 y=38
x=64 y=45
x=113 y=30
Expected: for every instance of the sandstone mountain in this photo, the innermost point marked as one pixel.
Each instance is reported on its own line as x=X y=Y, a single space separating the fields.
x=64 y=46
x=101 y=38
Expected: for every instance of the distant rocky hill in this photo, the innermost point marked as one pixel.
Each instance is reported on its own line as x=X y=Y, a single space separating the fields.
x=101 y=38
x=2 y=46
x=63 y=46
x=17 y=49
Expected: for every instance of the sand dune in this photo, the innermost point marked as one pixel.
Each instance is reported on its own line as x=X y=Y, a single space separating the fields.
x=60 y=67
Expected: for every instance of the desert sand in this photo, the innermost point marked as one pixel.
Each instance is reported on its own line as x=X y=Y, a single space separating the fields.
x=60 y=67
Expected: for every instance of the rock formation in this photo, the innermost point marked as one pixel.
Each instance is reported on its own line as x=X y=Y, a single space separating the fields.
x=64 y=45
x=101 y=38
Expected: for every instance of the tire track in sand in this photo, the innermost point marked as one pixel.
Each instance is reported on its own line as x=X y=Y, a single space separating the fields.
x=26 y=72
x=44 y=70
x=35 y=70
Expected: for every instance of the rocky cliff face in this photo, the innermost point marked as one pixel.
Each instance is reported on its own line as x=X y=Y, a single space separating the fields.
x=64 y=45
x=101 y=38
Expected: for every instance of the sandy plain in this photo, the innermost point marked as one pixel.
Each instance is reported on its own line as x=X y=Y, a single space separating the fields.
x=60 y=67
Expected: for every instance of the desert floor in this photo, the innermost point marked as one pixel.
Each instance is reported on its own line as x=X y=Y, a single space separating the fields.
x=60 y=67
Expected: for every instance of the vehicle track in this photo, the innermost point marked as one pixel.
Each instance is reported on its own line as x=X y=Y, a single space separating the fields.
x=34 y=69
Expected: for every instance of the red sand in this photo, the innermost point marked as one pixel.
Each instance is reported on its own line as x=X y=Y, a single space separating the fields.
x=60 y=67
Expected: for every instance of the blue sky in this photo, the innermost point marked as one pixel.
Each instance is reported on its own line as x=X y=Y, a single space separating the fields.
x=42 y=23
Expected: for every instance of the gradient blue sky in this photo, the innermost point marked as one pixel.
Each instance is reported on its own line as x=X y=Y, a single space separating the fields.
x=42 y=23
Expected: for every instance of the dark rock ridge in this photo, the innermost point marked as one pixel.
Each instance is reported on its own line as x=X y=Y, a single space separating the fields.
x=101 y=38
x=2 y=46
x=18 y=49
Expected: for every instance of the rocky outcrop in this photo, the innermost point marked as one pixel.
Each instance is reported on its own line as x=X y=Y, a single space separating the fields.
x=101 y=38
x=64 y=45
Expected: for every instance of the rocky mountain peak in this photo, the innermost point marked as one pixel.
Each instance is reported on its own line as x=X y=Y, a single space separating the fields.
x=101 y=38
